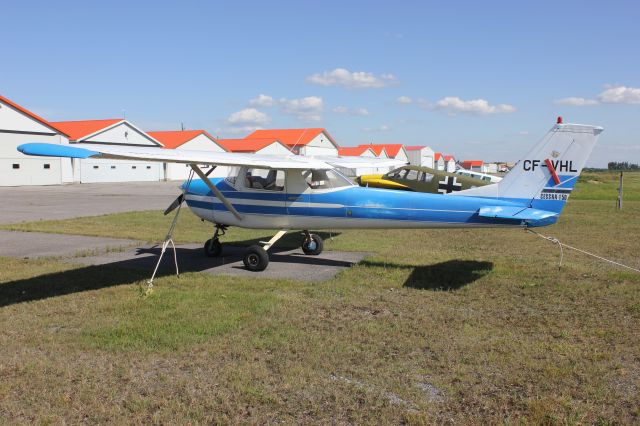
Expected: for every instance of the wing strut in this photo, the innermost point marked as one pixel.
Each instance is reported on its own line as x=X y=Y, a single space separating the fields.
x=216 y=191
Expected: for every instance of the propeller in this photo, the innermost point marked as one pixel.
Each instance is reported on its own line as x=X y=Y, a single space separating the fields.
x=176 y=203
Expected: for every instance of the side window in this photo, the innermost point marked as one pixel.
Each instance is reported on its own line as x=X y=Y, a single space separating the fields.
x=412 y=175
x=265 y=179
x=428 y=177
x=325 y=179
x=394 y=173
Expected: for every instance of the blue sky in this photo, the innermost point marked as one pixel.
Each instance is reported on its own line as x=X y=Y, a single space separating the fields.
x=474 y=79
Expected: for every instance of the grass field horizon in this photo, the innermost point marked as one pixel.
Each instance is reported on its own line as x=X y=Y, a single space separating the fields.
x=435 y=326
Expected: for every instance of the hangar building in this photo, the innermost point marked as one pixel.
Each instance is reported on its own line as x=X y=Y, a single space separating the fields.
x=190 y=140
x=266 y=146
x=312 y=141
x=114 y=131
x=17 y=126
x=420 y=156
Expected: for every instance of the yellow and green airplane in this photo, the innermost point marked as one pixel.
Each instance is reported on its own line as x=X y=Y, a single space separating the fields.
x=420 y=179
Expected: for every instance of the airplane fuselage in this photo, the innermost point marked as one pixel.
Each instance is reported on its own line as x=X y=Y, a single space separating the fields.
x=342 y=208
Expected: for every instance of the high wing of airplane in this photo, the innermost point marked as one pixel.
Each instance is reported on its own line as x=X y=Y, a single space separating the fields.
x=420 y=179
x=305 y=193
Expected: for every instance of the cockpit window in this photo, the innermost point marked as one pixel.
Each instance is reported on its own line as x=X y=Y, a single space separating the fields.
x=265 y=179
x=412 y=175
x=395 y=174
x=325 y=179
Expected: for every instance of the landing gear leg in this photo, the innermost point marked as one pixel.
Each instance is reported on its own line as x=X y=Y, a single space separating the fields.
x=213 y=247
x=312 y=244
x=256 y=257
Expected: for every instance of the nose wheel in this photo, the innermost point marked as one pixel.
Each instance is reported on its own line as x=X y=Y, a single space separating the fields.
x=312 y=244
x=213 y=246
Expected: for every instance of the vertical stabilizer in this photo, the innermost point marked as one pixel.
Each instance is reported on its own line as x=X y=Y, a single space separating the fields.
x=547 y=174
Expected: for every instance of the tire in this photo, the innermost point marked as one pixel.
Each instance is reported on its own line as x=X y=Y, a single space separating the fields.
x=256 y=259
x=212 y=248
x=313 y=246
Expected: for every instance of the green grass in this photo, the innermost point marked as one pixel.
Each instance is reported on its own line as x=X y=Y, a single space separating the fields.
x=464 y=326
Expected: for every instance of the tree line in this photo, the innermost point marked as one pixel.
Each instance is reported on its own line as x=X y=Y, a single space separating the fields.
x=622 y=165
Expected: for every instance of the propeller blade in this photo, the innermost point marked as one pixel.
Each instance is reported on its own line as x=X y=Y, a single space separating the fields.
x=175 y=204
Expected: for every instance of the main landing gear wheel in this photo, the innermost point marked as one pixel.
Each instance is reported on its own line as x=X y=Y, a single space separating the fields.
x=213 y=247
x=312 y=244
x=256 y=259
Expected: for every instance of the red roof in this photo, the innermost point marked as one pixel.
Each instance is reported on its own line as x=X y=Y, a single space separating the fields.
x=414 y=148
x=173 y=139
x=436 y=156
x=246 y=145
x=77 y=130
x=471 y=163
x=353 y=151
x=291 y=137
x=377 y=149
x=448 y=158
x=392 y=149
x=30 y=114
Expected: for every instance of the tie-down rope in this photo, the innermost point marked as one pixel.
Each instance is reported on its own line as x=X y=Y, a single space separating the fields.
x=561 y=245
x=169 y=239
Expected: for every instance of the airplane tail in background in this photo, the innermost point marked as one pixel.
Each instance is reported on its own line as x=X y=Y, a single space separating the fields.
x=545 y=177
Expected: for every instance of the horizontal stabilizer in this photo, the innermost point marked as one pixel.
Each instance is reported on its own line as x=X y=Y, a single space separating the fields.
x=515 y=213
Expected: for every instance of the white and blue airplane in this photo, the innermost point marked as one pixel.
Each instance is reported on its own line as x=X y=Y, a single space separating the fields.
x=304 y=193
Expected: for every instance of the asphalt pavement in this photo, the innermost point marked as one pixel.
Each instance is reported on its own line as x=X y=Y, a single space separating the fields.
x=30 y=203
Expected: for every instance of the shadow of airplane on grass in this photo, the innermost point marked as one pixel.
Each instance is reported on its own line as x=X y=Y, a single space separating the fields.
x=449 y=275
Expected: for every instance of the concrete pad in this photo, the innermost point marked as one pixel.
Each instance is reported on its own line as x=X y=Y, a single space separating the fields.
x=291 y=264
x=29 y=203
x=37 y=244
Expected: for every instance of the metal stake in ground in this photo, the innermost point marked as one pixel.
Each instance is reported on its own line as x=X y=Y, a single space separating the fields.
x=619 y=203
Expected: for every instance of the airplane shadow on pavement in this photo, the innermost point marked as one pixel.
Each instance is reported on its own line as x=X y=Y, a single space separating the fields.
x=112 y=269
x=123 y=268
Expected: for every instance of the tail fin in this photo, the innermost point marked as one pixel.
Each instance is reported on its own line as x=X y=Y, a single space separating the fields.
x=545 y=177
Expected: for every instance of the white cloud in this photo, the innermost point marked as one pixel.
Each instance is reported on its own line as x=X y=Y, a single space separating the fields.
x=354 y=111
x=249 y=116
x=352 y=80
x=574 y=101
x=620 y=95
x=454 y=105
x=308 y=109
x=405 y=100
x=262 y=101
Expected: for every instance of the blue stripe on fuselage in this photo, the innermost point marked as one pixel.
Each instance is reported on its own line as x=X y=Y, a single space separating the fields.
x=360 y=203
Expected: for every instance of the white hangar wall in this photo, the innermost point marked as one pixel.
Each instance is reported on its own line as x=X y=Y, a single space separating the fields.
x=101 y=171
x=275 y=148
x=319 y=145
x=421 y=157
x=16 y=169
x=177 y=171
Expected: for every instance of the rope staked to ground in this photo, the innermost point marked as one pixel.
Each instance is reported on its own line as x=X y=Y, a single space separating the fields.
x=169 y=240
x=562 y=245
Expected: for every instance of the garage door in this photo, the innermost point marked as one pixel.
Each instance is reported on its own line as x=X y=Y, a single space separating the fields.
x=119 y=171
